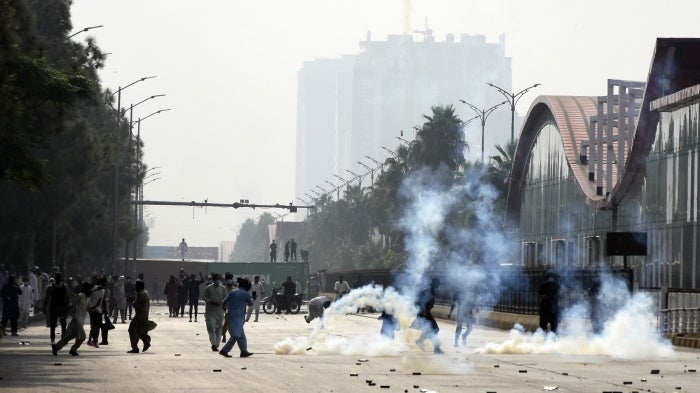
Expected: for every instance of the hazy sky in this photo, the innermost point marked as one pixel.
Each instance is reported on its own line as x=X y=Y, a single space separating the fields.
x=228 y=69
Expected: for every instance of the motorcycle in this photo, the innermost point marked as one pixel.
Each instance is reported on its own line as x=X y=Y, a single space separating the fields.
x=271 y=304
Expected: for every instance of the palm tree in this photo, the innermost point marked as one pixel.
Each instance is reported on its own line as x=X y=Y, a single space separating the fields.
x=500 y=166
x=440 y=140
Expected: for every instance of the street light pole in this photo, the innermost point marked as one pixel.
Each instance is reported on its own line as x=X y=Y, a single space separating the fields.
x=482 y=114
x=322 y=189
x=131 y=126
x=393 y=153
x=513 y=99
x=371 y=171
x=138 y=212
x=116 y=169
x=310 y=196
x=336 y=188
x=359 y=178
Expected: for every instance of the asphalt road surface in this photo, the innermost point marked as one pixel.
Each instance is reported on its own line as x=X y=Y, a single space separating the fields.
x=346 y=356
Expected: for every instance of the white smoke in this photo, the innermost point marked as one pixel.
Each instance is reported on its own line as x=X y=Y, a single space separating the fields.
x=630 y=329
x=471 y=259
x=323 y=341
x=432 y=242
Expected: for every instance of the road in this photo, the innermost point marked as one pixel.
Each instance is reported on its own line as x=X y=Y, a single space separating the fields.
x=343 y=358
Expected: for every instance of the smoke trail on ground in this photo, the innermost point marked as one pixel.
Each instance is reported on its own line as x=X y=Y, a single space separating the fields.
x=323 y=341
x=630 y=329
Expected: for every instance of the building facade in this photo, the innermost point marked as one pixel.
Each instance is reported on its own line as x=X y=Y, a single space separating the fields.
x=356 y=106
x=627 y=161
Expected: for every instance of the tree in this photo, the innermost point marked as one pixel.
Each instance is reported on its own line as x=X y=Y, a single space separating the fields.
x=440 y=140
x=501 y=165
x=57 y=144
x=341 y=232
x=252 y=242
x=35 y=97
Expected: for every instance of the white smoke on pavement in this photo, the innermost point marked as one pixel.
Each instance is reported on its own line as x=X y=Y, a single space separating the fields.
x=630 y=329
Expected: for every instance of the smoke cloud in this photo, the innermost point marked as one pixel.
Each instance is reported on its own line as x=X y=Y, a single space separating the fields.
x=630 y=329
x=437 y=240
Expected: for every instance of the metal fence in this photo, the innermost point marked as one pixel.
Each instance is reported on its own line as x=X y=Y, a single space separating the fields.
x=679 y=320
x=517 y=294
x=677 y=310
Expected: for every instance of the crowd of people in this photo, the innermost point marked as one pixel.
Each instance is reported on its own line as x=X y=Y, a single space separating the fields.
x=68 y=302
x=228 y=304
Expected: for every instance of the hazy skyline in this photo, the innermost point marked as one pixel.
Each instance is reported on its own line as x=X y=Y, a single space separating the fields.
x=229 y=72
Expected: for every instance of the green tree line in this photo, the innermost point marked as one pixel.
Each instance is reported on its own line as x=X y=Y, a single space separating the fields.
x=59 y=144
x=359 y=229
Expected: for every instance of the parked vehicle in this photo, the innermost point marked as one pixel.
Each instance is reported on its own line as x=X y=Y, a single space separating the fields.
x=271 y=304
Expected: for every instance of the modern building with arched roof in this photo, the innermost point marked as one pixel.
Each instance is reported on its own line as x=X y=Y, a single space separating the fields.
x=597 y=177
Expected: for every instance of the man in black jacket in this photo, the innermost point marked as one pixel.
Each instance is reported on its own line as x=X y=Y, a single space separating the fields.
x=192 y=285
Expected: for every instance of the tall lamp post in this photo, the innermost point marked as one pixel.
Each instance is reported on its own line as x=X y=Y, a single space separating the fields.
x=336 y=188
x=393 y=153
x=118 y=93
x=513 y=99
x=138 y=211
x=311 y=197
x=379 y=164
x=359 y=178
x=322 y=189
x=347 y=183
x=371 y=171
x=131 y=126
x=482 y=114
